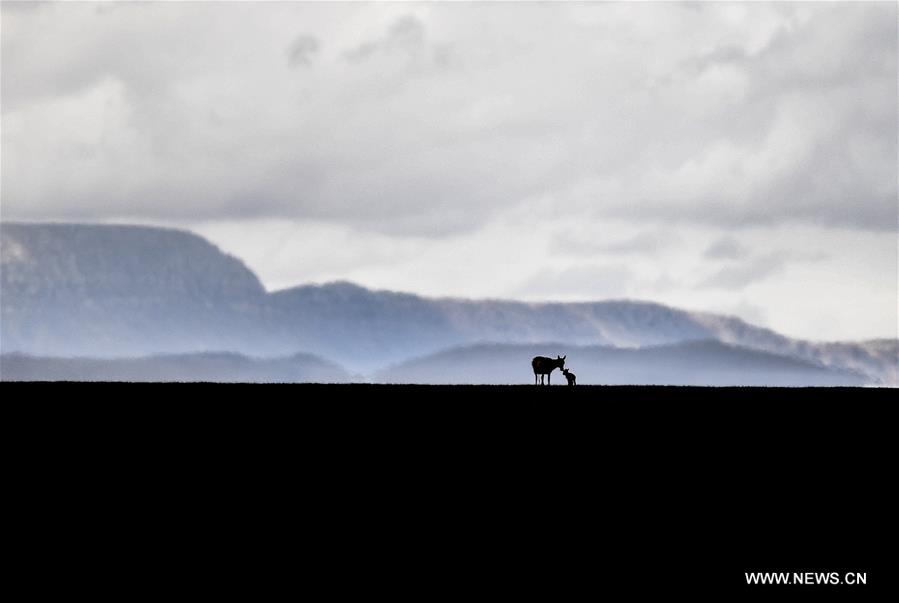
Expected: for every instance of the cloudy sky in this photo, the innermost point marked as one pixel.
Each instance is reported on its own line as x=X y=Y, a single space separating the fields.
x=731 y=157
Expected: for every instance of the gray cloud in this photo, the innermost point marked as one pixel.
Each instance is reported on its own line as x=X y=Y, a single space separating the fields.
x=406 y=34
x=302 y=50
x=594 y=281
x=745 y=268
x=603 y=242
x=178 y=111
x=742 y=274
x=24 y=6
x=722 y=55
x=726 y=248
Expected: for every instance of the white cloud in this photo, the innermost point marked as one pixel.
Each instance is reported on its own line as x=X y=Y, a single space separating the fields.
x=446 y=114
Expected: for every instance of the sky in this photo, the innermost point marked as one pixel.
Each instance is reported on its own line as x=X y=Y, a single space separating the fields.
x=738 y=158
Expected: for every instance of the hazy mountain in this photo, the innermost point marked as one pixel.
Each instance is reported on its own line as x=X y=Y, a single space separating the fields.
x=371 y=329
x=367 y=330
x=690 y=363
x=97 y=290
x=364 y=330
x=116 y=291
x=218 y=367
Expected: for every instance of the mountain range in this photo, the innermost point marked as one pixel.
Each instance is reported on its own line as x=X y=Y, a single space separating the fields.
x=124 y=292
x=224 y=367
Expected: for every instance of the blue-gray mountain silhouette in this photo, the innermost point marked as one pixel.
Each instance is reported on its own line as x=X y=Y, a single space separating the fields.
x=114 y=291
x=689 y=363
x=210 y=366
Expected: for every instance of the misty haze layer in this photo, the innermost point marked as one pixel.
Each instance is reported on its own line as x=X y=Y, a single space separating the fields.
x=98 y=291
x=730 y=157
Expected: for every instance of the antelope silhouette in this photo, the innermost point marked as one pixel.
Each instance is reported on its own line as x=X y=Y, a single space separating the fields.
x=544 y=366
x=572 y=378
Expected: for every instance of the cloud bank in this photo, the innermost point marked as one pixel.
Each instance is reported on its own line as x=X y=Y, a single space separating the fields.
x=622 y=143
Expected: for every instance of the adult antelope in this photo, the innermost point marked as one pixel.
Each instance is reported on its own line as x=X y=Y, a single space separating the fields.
x=544 y=366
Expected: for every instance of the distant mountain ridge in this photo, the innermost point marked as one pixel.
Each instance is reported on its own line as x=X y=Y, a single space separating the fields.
x=113 y=291
x=98 y=290
x=707 y=362
x=220 y=367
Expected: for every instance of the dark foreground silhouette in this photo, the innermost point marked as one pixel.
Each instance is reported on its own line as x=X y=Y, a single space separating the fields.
x=683 y=488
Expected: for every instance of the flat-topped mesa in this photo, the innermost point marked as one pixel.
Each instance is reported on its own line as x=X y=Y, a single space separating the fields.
x=114 y=290
x=119 y=260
